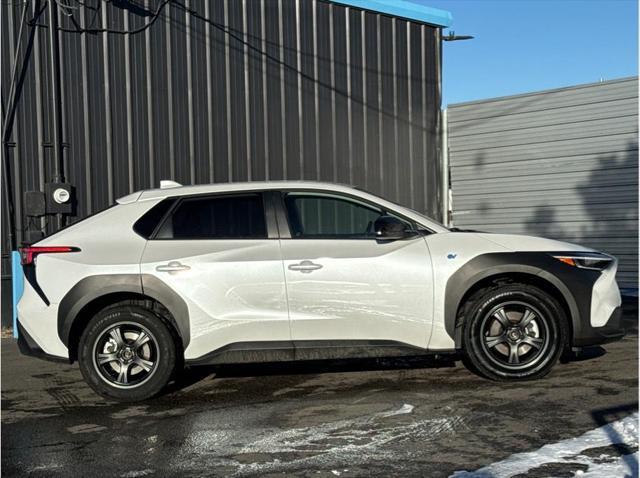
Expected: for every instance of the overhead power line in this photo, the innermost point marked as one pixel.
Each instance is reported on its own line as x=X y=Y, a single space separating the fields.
x=154 y=16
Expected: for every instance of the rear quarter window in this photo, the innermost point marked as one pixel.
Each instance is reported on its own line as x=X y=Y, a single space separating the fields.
x=150 y=220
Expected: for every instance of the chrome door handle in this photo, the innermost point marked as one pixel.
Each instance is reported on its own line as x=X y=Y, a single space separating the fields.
x=173 y=266
x=305 y=267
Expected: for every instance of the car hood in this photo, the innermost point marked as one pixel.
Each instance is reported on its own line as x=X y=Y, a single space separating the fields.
x=519 y=243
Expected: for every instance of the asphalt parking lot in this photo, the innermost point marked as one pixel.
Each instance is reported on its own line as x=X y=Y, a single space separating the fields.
x=372 y=418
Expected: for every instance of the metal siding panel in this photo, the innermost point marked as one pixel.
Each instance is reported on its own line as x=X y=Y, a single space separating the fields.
x=71 y=74
x=177 y=48
x=308 y=112
x=558 y=149
x=275 y=127
x=570 y=114
x=357 y=124
x=209 y=155
x=139 y=118
x=432 y=81
x=581 y=162
x=237 y=99
x=117 y=107
x=401 y=116
x=325 y=95
x=387 y=94
x=416 y=120
x=547 y=100
x=292 y=139
x=221 y=144
x=372 y=179
x=253 y=91
x=546 y=134
x=147 y=79
x=474 y=202
x=108 y=120
x=341 y=101
x=316 y=88
x=98 y=138
x=190 y=33
x=560 y=163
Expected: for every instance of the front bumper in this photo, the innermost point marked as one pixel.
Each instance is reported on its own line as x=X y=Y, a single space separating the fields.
x=29 y=347
x=610 y=332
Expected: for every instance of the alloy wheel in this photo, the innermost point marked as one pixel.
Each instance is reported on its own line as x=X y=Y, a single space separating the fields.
x=515 y=335
x=125 y=355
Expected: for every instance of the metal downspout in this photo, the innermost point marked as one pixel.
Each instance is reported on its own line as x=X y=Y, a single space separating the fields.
x=56 y=99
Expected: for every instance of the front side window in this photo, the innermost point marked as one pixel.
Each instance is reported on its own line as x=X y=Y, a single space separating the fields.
x=221 y=217
x=319 y=216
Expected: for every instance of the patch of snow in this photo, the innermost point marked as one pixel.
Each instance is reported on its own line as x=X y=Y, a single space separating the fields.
x=136 y=474
x=325 y=446
x=358 y=440
x=626 y=465
x=130 y=412
x=623 y=431
x=406 y=408
x=50 y=466
x=86 y=428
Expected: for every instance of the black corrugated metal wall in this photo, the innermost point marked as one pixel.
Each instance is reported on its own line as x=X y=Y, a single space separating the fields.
x=225 y=90
x=261 y=90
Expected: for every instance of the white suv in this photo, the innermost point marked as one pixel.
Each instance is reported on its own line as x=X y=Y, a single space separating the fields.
x=279 y=271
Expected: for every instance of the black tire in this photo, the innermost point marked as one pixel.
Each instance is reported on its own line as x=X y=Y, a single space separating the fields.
x=502 y=341
x=129 y=372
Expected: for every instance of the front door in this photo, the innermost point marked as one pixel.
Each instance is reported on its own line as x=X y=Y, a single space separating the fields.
x=343 y=285
x=216 y=252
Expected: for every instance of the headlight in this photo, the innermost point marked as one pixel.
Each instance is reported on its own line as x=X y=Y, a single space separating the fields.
x=585 y=260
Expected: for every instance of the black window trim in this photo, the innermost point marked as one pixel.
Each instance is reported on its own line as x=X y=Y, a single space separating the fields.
x=267 y=209
x=285 y=228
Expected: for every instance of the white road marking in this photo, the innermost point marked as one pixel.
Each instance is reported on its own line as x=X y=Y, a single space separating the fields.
x=624 y=432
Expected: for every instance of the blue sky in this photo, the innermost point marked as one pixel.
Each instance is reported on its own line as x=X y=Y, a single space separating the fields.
x=529 y=45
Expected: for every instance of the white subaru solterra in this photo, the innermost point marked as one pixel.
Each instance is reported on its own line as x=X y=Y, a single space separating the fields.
x=281 y=271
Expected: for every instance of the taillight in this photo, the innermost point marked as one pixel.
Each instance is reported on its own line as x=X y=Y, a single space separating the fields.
x=28 y=254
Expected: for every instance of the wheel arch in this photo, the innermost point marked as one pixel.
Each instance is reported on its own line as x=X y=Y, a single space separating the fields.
x=94 y=293
x=508 y=267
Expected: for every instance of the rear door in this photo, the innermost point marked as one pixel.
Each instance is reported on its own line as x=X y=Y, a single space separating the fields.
x=221 y=254
x=343 y=285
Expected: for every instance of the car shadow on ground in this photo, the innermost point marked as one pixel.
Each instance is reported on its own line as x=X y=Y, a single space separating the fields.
x=195 y=374
x=584 y=354
x=192 y=375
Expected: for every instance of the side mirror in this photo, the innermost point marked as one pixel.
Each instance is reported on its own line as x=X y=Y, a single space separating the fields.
x=389 y=228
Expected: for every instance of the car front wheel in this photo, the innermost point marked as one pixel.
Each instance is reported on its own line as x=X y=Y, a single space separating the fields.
x=513 y=332
x=127 y=353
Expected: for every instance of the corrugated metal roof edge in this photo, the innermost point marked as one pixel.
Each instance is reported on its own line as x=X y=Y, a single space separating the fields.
x=541 y=92
x=403 y=8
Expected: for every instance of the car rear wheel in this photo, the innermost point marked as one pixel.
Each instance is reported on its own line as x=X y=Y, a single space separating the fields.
x=513 y=332
x=127 y=353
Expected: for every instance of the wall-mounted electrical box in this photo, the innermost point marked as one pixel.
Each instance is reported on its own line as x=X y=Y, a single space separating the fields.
x=60 y=198
x=35 y=204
